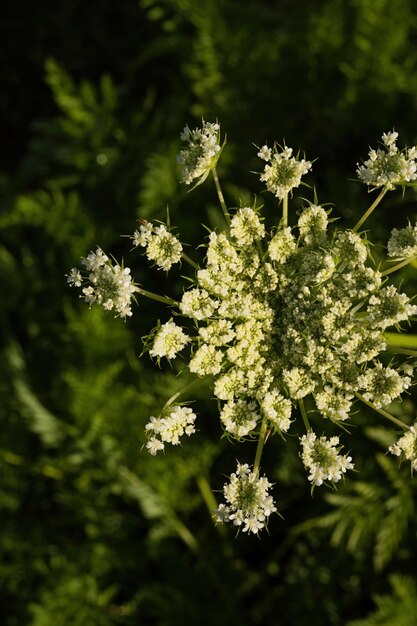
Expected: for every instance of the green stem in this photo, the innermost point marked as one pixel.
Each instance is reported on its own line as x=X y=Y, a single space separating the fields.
x=398 y=266
x=371 y=208
x=155 y=296
x=190 y=261
x=221 y=197
x=285 y=211
x=397 y=350
x=260 y=446
x=304 y=414
x=180 y=393
x=209 y=500
x=385 y=414
x=401 y=340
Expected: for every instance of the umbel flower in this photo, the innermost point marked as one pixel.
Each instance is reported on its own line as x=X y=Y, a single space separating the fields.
x=287 y=321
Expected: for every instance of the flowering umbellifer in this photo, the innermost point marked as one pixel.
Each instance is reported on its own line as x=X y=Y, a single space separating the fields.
x=288 y=321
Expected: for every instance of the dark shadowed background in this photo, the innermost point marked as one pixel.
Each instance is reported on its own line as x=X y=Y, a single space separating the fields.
x=93 y=97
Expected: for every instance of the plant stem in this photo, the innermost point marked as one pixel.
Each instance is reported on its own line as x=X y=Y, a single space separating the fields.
x=180 y=393
x=155 y=296
x=385 y=414
x=402 y=351
x=371 y=208
x=221 y=197
x=285 y=211
x=190 y=261
x=398 y=266
x=260 y=446
x=304 y=414
x=401 y=340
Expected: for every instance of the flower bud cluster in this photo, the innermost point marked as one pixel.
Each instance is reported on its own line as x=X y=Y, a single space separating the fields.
x=282 y=172
x=248 y=501
x=201 y=153
x=107 y=284
x=169 y=428
x=321 y=458
x=388 y=166
x=168 y=341
x=403 y=243
x=406 y=446
x=161 y=246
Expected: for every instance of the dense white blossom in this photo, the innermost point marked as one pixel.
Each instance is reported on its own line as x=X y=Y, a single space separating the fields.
x=321 y=458
x=239 y=418
x=107 y=283
x=382 y=384
x=178 y=421
x=403 y=243
x=161 y=246
x=248 y=502
x=246 y=227
x=169 y=340
x=274 y=317
x=282 y=172
x=201 y=152
x=406 y=446
x=388 y=166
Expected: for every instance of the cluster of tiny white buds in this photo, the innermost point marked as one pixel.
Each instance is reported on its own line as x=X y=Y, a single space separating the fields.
x=107 y=284
x=248 y=502
x=169 y=340
x=388 y=166
x=169 y=428
x=403 y=243
x=282 y=172
x=406 y=447
x=202 y=152
x=161 y=246
x=246 y=227
x=321 y=458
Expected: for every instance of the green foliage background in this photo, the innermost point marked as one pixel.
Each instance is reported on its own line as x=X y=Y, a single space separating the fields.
x=94 y=95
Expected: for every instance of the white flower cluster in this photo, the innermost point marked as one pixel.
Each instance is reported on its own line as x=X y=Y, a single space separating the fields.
x=321 y=458
x=168 y=429
x=276 y=316
x=169 y=340
x=403 y=243
x=308 y=319
x=161 y=246
x=406 y=446
x=388 y=166
x=248 y=501
x=202 y=152
x=107 y=284
x=283 y=172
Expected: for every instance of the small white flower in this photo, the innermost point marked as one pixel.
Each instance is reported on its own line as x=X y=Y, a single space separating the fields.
x=248 y=502
x=164 y=248
x=403 y=243
x=240 y=417
x=322 y=459
x=201 y=154
x=178 y=421
x=284 y=172
x=388 y=167
x=142 y=236
x=265 y=153
x=74 y=278
x=169 y=340
x=246 y=227
x=406 y=446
